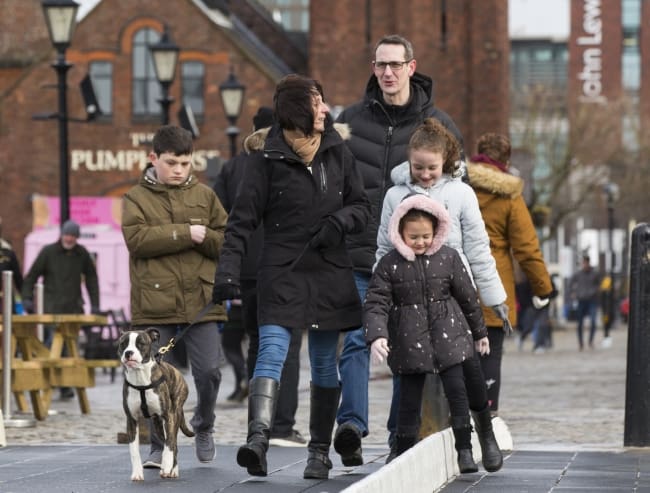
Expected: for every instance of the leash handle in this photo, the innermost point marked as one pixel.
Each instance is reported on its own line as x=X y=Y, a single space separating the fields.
x=172 y=342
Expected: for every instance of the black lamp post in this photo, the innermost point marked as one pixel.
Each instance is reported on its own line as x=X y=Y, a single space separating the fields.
x=60 y=16
x=232 y=96
x=165 y=56
x=611 y=192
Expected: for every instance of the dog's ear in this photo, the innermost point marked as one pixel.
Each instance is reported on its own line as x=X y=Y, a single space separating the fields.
x=153 y=334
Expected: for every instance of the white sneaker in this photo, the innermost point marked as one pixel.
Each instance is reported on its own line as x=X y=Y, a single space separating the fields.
x=607 y=342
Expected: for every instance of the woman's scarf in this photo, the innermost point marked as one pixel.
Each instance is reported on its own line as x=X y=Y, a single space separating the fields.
x=305 y=147
x=484 y=158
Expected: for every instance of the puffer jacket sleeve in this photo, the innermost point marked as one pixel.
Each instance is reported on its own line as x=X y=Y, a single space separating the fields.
x=377 y=304
x=465 y=294
x=245 y=216
x=355 y=213
x=476 y=246
x=525 y=249
x=383 y=241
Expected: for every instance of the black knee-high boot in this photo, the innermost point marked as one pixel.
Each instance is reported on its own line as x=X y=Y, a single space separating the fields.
x=324 y=403
x=261 y=408
x=462 y=429
x=492 y=457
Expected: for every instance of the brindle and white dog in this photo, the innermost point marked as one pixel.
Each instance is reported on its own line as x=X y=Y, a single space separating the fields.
x=151 y=389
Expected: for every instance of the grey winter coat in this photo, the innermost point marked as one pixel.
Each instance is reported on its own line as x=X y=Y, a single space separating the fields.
x=425 y=305
x=467 y=234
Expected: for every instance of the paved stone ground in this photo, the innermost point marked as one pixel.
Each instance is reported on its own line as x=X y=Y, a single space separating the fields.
x=563 y=399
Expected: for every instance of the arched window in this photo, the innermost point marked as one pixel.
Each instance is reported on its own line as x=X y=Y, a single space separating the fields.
x=146 y=89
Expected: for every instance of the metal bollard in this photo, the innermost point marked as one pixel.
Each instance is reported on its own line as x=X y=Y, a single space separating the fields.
x=40 y=306
x=637 y=391
x=7 y=311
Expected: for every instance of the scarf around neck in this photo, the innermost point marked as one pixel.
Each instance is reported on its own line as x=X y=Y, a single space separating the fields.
x=484 y=158
x=305 y=147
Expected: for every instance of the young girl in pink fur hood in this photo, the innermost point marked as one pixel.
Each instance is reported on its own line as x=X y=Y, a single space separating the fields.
x=423 y=315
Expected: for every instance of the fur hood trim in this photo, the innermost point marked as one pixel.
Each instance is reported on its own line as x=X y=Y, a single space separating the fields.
x=491 y=179
x=421 y=202
x=255 y=141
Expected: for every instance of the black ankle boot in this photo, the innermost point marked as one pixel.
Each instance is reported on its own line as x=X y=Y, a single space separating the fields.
x=492 y=457
x=261 y=408
x=462 y=429
x=324 y=403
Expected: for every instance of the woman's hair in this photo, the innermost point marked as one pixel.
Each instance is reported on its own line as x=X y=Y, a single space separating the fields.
x=432 y=135
x=293 y=102
x=414 y=215
x=495 y=146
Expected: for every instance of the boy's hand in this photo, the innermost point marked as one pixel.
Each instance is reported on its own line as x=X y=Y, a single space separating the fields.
x=379 y=350
x=197 y=233
x=482 y=346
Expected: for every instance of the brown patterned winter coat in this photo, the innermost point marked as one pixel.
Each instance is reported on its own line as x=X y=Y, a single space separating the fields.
x=425 y=305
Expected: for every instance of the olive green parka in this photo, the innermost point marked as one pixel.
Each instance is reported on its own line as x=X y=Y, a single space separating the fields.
x=171 y=276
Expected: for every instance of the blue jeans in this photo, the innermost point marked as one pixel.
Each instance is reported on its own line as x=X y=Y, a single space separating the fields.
x=273 y=348
x=354 y=367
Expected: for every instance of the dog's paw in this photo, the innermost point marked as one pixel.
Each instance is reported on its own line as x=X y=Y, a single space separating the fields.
x=173 y=474
x=137 y=475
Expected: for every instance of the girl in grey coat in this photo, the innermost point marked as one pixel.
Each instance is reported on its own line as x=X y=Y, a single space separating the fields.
x=422 y=313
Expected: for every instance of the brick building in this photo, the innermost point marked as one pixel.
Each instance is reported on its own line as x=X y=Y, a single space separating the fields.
x=462 y=44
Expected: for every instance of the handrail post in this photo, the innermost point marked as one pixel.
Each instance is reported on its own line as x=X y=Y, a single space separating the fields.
x=7 y=311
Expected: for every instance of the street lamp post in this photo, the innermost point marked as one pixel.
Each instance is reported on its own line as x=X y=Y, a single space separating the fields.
x=165 y=56
x=60 y=16
x=611 y=192
x=232 y=96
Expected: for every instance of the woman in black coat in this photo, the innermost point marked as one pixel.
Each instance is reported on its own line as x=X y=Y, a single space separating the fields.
x=422 y=313
x=303 y=186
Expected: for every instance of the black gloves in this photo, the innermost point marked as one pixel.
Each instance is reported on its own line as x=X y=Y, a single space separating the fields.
x=329 y=233
x=227 y=290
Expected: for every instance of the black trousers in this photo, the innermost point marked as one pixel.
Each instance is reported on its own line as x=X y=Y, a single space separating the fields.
x=287 y=405
x=491 y=365
x=464 y=388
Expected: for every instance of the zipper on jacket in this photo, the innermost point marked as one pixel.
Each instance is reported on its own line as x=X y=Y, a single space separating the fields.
x=385 y=169
x=323 y=177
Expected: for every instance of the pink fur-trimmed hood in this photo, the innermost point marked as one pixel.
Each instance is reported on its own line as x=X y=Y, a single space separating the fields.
x=424 y=203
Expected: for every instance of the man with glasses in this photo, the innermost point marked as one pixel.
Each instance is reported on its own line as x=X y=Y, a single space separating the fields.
x=397 y=100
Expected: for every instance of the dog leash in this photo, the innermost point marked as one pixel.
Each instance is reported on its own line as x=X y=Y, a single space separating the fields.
x=172 y=342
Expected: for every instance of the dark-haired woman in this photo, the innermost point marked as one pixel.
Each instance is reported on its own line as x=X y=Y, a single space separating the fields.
x=302 y=184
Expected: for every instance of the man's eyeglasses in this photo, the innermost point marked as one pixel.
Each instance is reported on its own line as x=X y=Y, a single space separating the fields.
x=394 y=66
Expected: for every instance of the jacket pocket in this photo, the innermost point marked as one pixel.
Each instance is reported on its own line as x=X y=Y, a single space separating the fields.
x=158 y=297
x=207 y=283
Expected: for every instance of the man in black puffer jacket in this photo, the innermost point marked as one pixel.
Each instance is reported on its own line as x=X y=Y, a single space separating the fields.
x=397 y=100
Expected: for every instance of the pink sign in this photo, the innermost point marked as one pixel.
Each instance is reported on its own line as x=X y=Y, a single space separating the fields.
x=84 y=210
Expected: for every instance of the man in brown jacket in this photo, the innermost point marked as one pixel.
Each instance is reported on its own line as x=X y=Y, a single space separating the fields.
x=512 y=234
x=173 y=227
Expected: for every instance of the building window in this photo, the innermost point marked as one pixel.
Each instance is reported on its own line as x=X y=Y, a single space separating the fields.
x=631 y=14
x=101 y=75
x=146 y=89
x=292 y=14
x=193 y=86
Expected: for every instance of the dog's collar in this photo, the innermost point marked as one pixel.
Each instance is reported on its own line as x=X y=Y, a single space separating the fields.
x=143 y=389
